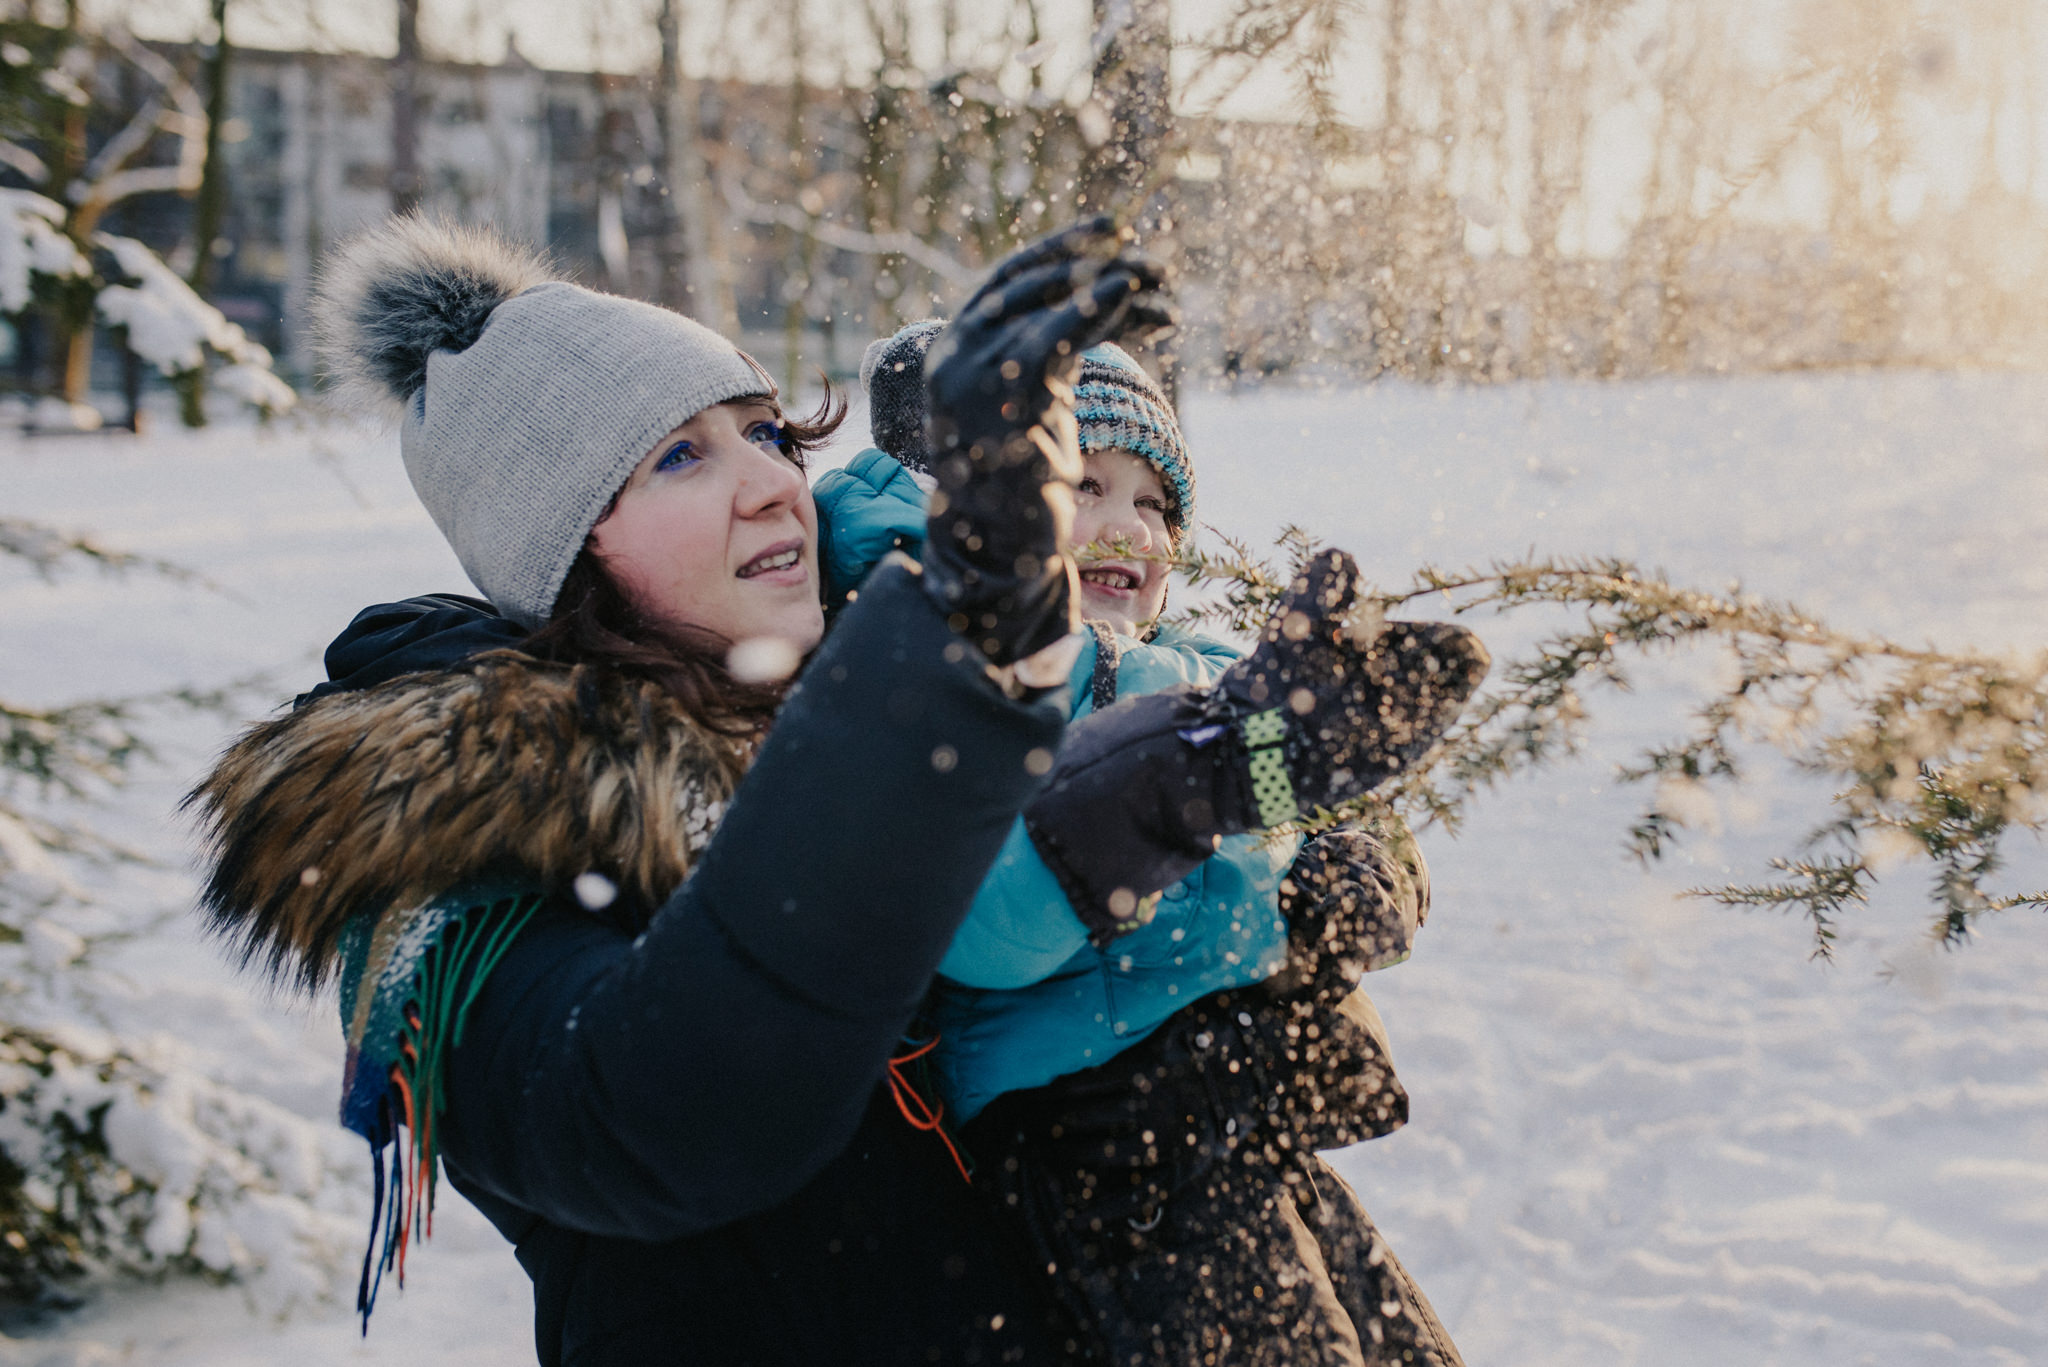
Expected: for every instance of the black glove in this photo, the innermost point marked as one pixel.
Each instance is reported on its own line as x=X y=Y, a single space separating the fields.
x=994 y=550
x=1353 y=902
x=1325 y=717
x=1142 y=791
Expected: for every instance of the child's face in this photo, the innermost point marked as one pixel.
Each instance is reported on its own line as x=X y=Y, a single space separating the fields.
x=1120 y=518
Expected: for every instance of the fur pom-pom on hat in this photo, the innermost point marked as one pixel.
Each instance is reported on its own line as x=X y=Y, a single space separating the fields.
x=392 y=296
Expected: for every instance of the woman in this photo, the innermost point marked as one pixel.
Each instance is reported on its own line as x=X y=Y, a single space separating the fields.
x=670 y=1095
x=659 y=1060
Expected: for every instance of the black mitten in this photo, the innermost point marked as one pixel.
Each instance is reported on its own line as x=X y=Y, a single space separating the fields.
x=1329 y=707
x=997 y=532
x=1353 y=901
x=1142 y=791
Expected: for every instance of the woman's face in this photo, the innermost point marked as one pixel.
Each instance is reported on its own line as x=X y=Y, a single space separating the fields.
x=1119 y=518
x=716 y=531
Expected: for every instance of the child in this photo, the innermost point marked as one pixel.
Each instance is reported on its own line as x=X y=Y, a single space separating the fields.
x=1147 y=1102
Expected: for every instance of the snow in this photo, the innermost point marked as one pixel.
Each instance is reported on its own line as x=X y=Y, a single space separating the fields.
x=31 y=243
x=169 y=325
x=1646 y=1130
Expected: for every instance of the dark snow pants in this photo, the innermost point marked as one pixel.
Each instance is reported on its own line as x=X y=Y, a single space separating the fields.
x=1176 y=1195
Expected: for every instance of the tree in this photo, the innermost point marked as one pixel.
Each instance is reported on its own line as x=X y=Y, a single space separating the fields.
x=88 y=1118
x=209 y=205
x=57 y=267
x=56 y=81
x=1132 y=132
x=693 y=262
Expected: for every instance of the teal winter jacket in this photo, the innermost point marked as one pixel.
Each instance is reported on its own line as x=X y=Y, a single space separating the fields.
x=1022 y=996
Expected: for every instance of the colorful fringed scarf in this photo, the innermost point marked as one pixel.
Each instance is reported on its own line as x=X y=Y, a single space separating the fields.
x=408 y=978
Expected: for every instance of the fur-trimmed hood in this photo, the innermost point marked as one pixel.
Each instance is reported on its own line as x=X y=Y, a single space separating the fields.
x=505 y=766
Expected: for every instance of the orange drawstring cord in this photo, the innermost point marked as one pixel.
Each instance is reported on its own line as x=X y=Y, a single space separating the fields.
x=925 y=1117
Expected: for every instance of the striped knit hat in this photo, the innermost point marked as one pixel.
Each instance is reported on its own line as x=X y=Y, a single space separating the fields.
x=1116 y=404
x=1120 y=408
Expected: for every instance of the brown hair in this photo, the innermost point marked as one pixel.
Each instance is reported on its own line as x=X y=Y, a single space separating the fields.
x=596 y=622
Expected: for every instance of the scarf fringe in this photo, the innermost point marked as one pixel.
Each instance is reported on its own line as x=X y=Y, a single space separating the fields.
x=440 y=993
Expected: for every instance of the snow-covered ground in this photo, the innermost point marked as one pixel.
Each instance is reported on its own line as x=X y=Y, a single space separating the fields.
x=1646 y=1130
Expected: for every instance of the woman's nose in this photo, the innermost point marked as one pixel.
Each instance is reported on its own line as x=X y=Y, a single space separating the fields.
x=770 y=481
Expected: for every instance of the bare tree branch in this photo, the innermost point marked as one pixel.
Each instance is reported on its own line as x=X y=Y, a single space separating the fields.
x=897 y=243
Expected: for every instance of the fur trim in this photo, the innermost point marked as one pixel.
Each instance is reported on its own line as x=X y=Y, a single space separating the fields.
x=396 y=794
x=392 y=296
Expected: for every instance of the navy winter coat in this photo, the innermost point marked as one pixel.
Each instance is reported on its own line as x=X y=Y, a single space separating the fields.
x=689 y=1133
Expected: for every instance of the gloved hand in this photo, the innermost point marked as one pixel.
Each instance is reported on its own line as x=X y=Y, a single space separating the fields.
x=1000 y=428
x=1327 y=707
x=1353 y=901
x=1324 y=710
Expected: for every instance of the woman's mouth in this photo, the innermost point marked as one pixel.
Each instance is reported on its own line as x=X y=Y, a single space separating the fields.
x=1113 y=579
x=784 y=560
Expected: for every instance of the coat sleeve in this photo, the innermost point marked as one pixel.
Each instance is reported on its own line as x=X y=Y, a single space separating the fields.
x=1022 y=928
x=866 y=508
x=656 y=1087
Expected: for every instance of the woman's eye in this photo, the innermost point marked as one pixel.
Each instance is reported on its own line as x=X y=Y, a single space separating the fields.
x=677 y=456
x=1157 y=505
x=1091 y=485
x=767 y=434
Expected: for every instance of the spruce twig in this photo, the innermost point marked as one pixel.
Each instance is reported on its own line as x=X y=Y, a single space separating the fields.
x=47 y=551
x=1934 y=755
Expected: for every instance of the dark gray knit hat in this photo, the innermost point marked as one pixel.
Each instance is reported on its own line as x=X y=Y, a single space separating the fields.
x=526 y=401
x=892 y=373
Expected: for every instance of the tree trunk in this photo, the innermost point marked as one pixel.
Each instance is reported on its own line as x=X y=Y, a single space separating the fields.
x=406 y=184
x=71 y=313
x=673 y=123
x=1129 y=174
x=796 y=284
x=1134 y=44
x=207 y=212
x=209 y=208
x=706 y=223
x=131 y=384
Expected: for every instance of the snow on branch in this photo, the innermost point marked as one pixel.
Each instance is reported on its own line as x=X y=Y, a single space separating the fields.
x=32 y=242
x=1934 y=756
x=19 y=158
x=45 y=549
x=169 y=326
x=76 y=750
x=130 y=1159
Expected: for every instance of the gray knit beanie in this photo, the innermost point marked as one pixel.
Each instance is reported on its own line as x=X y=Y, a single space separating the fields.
x=527 y=401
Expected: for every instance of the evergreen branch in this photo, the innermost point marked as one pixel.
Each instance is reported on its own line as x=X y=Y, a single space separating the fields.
x=78 y=750
x=1935 y=755
x=71 y=748
x=46 y=550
